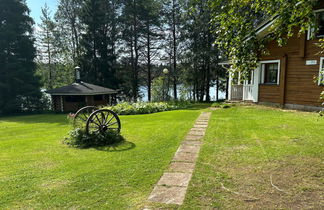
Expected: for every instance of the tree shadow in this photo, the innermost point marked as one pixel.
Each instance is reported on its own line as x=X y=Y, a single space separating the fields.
x=117 y=147
x=198 y=106
x=37 y=118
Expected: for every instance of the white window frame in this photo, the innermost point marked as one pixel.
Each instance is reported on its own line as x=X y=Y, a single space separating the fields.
x=263 y=71
x=311 y=29
x=321 y=72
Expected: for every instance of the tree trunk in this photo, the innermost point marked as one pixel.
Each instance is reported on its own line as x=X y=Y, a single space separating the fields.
x=227 y=85
x=135 y=82
x=208 y=81
x=217 y=88
x=49 y=61
x=174 y=52
x=149 y=76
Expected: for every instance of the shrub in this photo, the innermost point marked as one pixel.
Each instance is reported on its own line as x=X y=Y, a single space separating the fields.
x=78 y=137
x=216 y=104
x=147 y=107
x=226 y=106
x=221 y=105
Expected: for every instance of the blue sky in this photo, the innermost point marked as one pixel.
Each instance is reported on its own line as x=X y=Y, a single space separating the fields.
x=36 y=5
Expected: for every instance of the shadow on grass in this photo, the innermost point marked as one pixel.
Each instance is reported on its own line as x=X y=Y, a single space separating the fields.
x=112 y=143
x=117 y=147
x=37 y=118
x=198 y=106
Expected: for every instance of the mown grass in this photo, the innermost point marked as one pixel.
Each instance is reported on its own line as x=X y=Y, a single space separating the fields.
x=260 y=158
x=37 y=171
x=244 y=150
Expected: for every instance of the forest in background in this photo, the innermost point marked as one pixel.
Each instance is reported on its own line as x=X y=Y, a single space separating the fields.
x=126 y=45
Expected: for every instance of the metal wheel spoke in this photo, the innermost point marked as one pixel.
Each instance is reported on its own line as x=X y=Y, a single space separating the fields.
x=83 y=114
x=107 y=117
x=86 y=116
x=113 y=124
x=110 y=120
x=93 y=126
x=100 y=122
x=103 y=117
x=98 y=119
x=94 y=122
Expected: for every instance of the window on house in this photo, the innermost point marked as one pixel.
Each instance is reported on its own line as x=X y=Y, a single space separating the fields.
x=270 y=72
x=320 y=24
x=321 y=72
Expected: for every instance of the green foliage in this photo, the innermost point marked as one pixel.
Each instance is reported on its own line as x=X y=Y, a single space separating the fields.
x=19 y=87
x=221 y=105
x=98 y=41
x=78 y=137
x=161 y=89
x=198 y=61
x=119 y=44
x=321 y=45
x=147 y=108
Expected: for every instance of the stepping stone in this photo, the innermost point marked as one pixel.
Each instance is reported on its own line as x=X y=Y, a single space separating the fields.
x=200 y=126
x=198 y=129
x=203 y=118
x=192 y=142
x=193 y=138
x=168 y=195
x=206 y=114
x=185 y=157
x=182 y=167
x=175 y=179
x=196 y=133
x=172 y=186
x=189 y=149
x=201 y=123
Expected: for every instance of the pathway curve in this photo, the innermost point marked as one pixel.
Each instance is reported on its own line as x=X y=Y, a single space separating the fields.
x=172 y=186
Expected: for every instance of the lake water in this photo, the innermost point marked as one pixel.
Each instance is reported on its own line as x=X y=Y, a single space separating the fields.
x=212 y=92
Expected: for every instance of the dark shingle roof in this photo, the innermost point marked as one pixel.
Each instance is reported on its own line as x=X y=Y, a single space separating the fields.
x=81 y=88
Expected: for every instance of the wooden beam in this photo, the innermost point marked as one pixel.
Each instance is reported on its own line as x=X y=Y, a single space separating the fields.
x=283 y=68
x=302 y=45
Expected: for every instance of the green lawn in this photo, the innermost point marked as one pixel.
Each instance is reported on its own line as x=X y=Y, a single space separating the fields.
x=245 y=146
x=251 y=158
x=37 y=171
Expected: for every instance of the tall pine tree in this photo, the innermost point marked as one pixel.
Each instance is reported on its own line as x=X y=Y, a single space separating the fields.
x=98 y=42
x=19 y=88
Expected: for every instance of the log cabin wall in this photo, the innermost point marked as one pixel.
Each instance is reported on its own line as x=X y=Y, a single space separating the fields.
x=297 y=85
x=56 y=102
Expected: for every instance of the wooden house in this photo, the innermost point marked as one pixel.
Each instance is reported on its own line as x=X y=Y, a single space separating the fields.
x=286 y=76
x=72 y=97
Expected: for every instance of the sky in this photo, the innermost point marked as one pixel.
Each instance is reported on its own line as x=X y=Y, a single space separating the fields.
x=36 y=5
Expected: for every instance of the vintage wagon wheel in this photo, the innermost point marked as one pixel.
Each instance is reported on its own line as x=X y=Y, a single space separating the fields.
x=81 y=117
x=101 y=121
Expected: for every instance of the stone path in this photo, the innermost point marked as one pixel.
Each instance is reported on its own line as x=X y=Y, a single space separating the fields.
x=172 y=186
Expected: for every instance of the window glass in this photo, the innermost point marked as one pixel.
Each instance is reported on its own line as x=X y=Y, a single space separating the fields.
x=271 y=73
x=320 y=24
